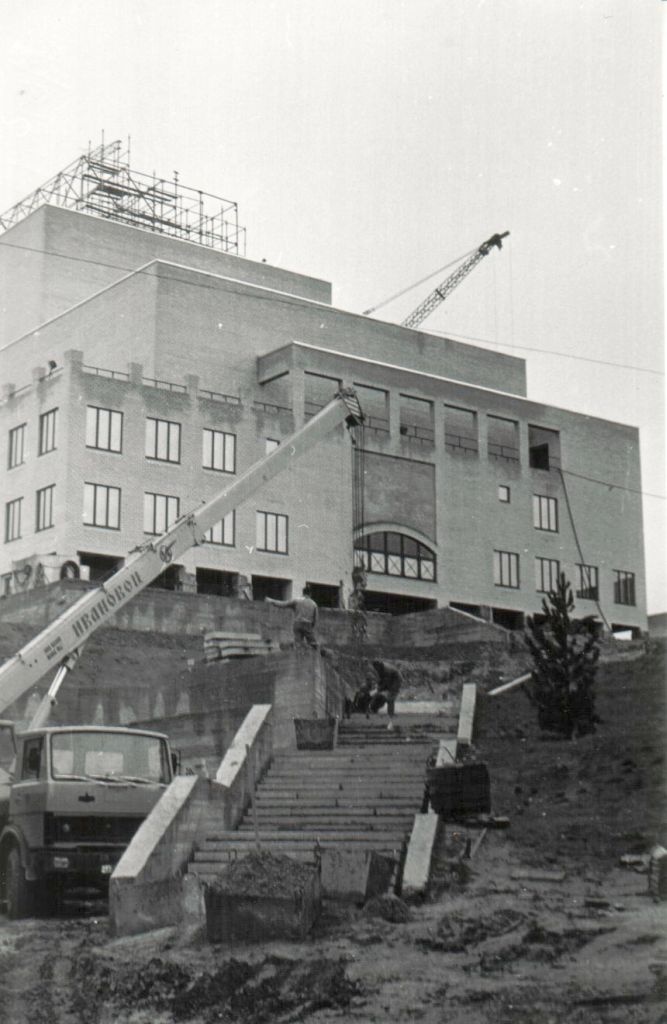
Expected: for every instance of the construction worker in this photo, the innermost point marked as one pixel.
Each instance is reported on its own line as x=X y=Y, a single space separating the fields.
x=389 y=682
x=305 y=617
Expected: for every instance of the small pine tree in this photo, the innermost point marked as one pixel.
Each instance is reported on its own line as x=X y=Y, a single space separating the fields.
x=565 y=654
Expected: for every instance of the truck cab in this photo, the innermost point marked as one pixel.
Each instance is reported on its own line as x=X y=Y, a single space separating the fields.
x=77 y=796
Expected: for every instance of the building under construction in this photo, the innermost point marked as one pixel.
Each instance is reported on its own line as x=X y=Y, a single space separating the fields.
x=144 y=358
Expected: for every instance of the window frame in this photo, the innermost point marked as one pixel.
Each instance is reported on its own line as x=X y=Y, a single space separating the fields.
x=168 y=520
x=13 y=519
x=48 y=431
x=209 y=450
x=15 y=445
x=506 y=560
x=224 y=524
x=271 y=526
x=624 y=580
x=112 y=414
x=545 y=513
x=377 y=557
x=507 y=500
x=108 y=488
x=44 y=502
x=588 y=591
x=157 y=439
x=540 y=564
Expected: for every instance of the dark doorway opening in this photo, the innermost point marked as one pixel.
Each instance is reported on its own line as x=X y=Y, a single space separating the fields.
x=396 y=604
x=170 y=579
x=270 y=586
x=100 y=567
x=508 y=618
x=325 y=595
x=217 y=582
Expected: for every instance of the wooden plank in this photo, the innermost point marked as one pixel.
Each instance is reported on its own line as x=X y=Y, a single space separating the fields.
x=467 y=715
x=511 y=685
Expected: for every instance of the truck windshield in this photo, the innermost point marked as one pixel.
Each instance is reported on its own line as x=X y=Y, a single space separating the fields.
x=109 y=755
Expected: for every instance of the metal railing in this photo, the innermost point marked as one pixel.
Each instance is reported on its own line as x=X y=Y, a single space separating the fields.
x=270 y=407
x=219 y=396
x=99 y=371
x=164 y=385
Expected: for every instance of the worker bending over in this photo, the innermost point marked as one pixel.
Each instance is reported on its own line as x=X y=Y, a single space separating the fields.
x=389 y=682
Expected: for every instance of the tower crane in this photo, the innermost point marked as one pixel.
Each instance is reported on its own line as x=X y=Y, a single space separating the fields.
x=444 y=289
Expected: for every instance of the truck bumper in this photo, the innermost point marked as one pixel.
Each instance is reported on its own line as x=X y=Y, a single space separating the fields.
x=94 y=867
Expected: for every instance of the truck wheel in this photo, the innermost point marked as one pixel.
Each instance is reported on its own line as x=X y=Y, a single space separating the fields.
x=19 y=902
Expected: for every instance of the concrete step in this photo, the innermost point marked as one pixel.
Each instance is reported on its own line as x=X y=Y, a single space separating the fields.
x=359 y=817
x=330 y=822
x=300 y=839
x=288 y=802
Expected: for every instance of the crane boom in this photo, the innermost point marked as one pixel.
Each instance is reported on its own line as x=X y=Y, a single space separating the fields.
x=55 y=645
x=440 y=293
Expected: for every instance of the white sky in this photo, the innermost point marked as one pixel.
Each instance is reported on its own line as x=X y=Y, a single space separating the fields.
x=370 y=142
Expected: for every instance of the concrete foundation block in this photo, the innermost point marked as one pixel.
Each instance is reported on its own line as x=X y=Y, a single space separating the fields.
x=355 y=875
x=419 y=857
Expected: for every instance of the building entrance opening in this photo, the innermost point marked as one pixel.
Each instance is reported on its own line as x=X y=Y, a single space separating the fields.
x=100 y=567
x=271 y=586
x=215 y=581
x=324 y=595
x=396 y=604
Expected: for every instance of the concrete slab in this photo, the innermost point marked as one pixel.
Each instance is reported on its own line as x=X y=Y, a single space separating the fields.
x=419 y=856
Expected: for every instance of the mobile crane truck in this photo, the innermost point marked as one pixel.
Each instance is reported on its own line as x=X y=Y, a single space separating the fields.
x=75 y=794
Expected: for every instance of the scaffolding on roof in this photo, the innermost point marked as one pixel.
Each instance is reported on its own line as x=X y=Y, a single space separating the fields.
x=102 y=183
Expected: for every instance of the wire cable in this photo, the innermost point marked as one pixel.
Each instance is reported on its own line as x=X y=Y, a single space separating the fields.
x=287 y=300
x=409 y=288
x=579 y=549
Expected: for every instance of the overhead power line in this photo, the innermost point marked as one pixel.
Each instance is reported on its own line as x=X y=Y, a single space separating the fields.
x=288 y=300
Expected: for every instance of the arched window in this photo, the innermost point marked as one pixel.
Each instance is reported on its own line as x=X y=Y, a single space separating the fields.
x=394 y=554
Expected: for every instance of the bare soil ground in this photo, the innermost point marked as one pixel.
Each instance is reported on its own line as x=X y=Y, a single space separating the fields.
x=486 y=948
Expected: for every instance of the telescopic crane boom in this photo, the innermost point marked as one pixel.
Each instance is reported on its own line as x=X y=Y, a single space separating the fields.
x=440 y=293
x=57 y=645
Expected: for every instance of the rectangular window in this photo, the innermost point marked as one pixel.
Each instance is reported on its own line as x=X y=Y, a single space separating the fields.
x=104 y=429
x=624 y=587
x=219 y=451
x=504 y=493
x=13 y=519
x=272 y=532
x=543 y=448
x=461 y=436
x=546 y=574
x=44 y=507
x=222 y=532
x=588 y=582
x=101 y=506
x=163 y=440
x=502 y=439
x=506 y=569
x=47 y=431
x=416 y=418
x=160 y=512
x=545 y=513
x=16 y=455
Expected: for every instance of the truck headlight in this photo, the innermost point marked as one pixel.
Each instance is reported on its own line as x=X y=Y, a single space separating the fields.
x=61 y=862
x=106 y=869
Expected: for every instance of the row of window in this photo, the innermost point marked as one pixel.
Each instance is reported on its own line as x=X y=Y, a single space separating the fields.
x=102 y=507
x=506 y=574
x=104 y=431
x=46 y=441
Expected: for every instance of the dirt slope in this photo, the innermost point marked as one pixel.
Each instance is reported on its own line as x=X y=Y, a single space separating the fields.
x=487 y=948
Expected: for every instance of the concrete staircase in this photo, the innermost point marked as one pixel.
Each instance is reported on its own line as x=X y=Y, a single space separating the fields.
x=361 y=796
